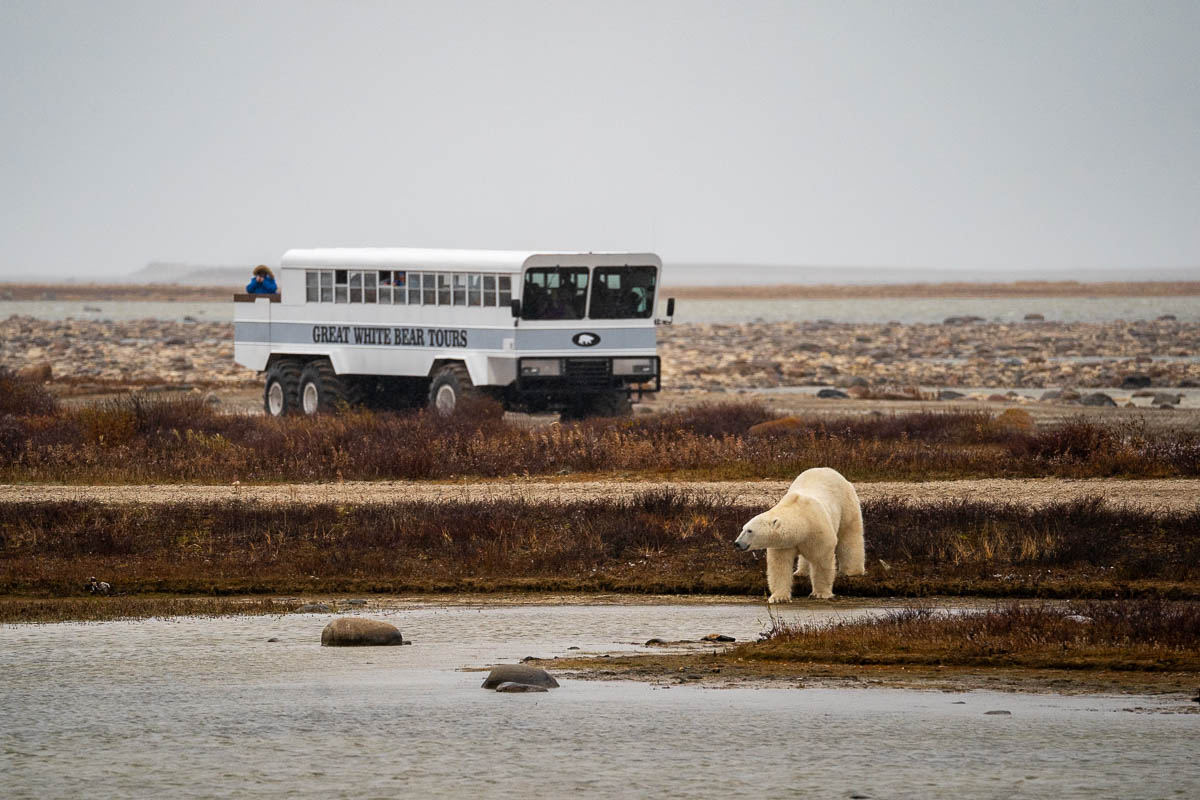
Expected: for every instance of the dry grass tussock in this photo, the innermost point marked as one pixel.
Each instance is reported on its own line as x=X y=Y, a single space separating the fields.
x=1146 y=634
x=140 y=440
x=663 y=541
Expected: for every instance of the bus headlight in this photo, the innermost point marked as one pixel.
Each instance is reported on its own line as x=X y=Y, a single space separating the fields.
x=633 y=366
x=541 y=366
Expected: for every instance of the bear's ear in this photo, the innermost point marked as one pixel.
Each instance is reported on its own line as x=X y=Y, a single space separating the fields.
x=775 y=522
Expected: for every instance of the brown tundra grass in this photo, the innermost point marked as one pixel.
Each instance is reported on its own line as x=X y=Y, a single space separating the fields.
x=666 y=542
x=139 y=440
x=1144 y=635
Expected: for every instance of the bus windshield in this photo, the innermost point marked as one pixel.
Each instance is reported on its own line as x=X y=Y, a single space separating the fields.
x=623 y=293
x=554 y=293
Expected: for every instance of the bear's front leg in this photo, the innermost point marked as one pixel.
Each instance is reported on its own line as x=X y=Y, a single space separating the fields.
x=779 y=573
x=820 y=572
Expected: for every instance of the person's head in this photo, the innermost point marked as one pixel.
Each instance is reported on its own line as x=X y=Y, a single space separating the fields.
x=262 y=271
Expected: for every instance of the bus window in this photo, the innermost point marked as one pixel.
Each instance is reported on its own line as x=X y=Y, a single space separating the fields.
x=505 y=289
x=399 y=281
x=429 y=290
x=554 y=293
x=311 y=292
x=623 y=293
x=443 y=289
x=356 y=282
x=473 y=295
x=489 y=290
x=326 y=286
x=369 y=279
x=460 y=289
x=339 y=285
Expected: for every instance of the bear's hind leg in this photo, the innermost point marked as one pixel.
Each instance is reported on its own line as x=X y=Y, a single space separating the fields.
x=821 y=573
x=851 y=550
x=801 y=567
x=779 y=573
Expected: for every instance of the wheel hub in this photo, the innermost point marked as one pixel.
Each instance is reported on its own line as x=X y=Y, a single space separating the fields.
x=310 y=400
x=446 y=399
x=275 y=399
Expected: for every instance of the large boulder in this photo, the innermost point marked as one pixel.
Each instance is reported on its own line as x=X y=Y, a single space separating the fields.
x=359 y=632
x=520 y=674
x=1098 y=399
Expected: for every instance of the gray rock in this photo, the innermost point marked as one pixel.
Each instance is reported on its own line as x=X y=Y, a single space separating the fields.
x=359 y=632
x=950 y=394
x=999 y=713
x=718 y=637
x=1135 y=382
x=514 y=687
x=655 y=641
x=356 y=601
x=313 y=608
x=1166 y=318
x=273 y=639
x=519 y=673
x=1098 y=399
x=1166 y=399
x=832 y=394
x=1035 y=318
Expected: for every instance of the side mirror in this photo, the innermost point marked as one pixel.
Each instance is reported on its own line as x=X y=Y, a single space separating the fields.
x=670 y=306
x=516 y=308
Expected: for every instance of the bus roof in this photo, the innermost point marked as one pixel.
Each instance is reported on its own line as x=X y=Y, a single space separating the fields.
x=411 y=258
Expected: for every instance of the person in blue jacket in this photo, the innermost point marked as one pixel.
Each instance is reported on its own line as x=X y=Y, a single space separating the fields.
x=263 y=281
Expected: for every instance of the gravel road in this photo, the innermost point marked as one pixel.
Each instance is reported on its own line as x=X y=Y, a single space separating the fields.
x=1151 y=494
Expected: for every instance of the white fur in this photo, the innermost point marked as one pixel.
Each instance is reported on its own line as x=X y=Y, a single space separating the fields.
x=817 y=525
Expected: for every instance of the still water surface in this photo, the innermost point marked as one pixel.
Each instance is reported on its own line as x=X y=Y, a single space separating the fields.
x=210 y=708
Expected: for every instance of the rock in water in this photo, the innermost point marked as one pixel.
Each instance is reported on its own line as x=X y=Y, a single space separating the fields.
x=832 y=394
x=519 y=673
x=313 y=608
x=359 y=632
x=1098 y=399
x=509 y=686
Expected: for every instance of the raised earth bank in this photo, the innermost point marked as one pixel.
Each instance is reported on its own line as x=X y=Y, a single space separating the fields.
x=664 y=541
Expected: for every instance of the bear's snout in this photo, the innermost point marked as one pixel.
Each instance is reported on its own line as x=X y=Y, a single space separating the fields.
x=739 y=544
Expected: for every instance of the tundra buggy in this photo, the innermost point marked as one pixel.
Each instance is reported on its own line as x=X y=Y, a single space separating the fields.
x=570 y=332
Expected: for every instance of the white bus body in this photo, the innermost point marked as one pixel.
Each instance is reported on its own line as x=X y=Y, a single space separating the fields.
x=401 y=325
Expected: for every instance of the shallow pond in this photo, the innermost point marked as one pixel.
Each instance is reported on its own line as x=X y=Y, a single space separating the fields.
x=210 y=708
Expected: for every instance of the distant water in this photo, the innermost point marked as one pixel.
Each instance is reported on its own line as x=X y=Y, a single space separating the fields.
x=198 y=708
x=928 y=310
x=931 y=310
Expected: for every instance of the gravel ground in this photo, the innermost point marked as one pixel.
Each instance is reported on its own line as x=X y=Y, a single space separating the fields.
x=1149 y=494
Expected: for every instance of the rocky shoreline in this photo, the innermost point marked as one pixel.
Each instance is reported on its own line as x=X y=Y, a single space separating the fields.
x=863 y=359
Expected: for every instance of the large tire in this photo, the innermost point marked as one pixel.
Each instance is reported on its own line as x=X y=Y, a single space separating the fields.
x=281 y=395
x=322 y=391
x=450 y=385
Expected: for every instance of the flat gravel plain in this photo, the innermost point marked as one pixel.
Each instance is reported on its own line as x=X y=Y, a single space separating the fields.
x=1165 y=495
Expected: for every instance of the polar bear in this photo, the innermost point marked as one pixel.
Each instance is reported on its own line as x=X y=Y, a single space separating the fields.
x=818 y=523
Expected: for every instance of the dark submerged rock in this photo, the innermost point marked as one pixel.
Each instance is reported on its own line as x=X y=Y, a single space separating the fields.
x=359 y=632
x=313 y=608
x=513 y=687
x=1098 y=399
x=832 y=394
x=519 y=673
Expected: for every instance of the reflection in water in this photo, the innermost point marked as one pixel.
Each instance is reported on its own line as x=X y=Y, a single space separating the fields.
x=202 y=707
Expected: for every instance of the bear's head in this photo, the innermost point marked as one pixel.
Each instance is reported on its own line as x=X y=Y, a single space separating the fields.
x=762 y=532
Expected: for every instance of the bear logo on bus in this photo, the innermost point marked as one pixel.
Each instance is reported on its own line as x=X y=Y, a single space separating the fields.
x=586 y=339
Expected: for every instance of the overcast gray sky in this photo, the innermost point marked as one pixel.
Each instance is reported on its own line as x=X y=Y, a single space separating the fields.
x=969 y=136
